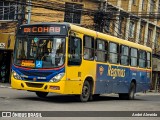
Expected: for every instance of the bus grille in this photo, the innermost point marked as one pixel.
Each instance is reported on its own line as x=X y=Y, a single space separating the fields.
x=39 y=74
x=37 y=85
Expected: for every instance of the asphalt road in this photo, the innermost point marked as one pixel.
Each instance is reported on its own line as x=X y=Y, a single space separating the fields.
x=17 y=100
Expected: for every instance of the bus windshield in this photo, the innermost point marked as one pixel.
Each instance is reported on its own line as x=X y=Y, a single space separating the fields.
x=39 y=52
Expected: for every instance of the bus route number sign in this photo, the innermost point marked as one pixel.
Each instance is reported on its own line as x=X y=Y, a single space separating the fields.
x=28 y=63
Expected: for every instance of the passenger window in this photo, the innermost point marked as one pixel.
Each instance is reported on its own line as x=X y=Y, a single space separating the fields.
x=148 y=60
x=142 y=59
x=101 y=50
x=124 y=58
x=88 y=48
x=133 y=54
x=74 y=51
x=113 y=53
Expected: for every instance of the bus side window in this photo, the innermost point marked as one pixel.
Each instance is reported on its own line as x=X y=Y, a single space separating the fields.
x=134 y=55
x=113 y=53
x=142 y=59
x=148 y=60
x=74 y=51
x=124 y=56
x=101 y=50
x=88 y=48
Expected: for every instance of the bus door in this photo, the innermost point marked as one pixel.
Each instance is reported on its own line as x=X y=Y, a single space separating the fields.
x=74 y=61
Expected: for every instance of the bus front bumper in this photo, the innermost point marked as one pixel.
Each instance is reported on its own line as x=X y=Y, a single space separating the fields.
x=61 y=87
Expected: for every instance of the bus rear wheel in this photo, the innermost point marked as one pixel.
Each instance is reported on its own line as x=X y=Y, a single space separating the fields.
x=86 y=92
x=41 y=94
x=132 y=91
x=130 y=95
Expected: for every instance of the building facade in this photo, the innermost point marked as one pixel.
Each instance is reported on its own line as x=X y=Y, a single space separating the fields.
x=134 y=20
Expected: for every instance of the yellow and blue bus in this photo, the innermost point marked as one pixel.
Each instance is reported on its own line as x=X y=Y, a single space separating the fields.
x=67 y=59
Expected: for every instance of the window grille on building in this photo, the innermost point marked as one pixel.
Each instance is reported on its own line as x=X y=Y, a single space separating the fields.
x=131 y=29
x=73 y=12
x=143 y=4
x=149 y=38
x=8 y=10
x=152 y=5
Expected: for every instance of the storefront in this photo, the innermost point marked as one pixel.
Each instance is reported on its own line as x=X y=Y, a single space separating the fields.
x=5 y=65
x=6 y=55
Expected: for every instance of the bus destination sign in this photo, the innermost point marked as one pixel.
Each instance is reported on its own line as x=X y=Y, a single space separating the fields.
x=43 y=30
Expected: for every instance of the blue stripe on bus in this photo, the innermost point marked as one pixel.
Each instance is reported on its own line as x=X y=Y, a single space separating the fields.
x=40 y=75
x=117 y=79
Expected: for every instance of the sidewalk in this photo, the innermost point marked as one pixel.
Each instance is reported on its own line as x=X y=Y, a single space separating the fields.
x=151 y=92
x=5 y=85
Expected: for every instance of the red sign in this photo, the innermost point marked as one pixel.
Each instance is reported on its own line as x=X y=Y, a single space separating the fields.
x=41 y=29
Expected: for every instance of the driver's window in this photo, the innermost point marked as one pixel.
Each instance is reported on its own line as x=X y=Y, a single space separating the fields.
x=74 y=51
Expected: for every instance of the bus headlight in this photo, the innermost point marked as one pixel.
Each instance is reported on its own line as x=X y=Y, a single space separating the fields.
x=57 y=77
x=16 y=75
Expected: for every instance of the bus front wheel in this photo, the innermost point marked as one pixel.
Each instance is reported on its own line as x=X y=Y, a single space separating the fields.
x=86 y=90
x=41 y=94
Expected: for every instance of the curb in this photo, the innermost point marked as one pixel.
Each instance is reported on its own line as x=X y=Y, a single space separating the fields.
x=148 y=93
x=5 y=86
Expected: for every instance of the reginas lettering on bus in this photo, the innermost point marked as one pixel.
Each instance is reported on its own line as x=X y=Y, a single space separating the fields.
x=41 y=29
x=116 y=72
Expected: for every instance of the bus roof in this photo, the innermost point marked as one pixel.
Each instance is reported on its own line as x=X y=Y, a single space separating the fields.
x=48 y=23
x=109 y=37
x=96 y=34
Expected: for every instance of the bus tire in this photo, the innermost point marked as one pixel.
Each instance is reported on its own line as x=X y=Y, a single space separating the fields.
x=130 y=95
x=132 y=91
x=86 y=90
x=41 y=94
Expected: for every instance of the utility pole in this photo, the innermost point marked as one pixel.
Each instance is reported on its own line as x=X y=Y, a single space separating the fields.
x=21 y=13
x=99 y=16
x=105 y=5
x=29 y=11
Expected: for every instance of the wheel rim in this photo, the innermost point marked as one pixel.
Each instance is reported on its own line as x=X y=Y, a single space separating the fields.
x=85 y=92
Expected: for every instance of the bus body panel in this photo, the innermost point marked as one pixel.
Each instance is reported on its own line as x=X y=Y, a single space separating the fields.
x=117 y=79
